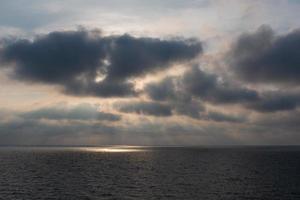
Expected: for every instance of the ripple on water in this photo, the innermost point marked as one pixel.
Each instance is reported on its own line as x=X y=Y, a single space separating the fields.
x=126 y=172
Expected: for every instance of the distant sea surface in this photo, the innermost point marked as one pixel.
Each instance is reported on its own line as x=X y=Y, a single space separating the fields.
x=123 y=172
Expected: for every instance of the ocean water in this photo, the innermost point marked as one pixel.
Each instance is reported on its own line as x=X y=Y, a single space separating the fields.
x=150 y=173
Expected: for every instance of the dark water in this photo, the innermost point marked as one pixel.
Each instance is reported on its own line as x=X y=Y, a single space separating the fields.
x=154 y=173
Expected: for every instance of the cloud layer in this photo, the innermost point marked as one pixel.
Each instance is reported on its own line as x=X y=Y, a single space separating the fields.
x=265 y=57
x=84 y=111
x=87 y=63
x=248 y=104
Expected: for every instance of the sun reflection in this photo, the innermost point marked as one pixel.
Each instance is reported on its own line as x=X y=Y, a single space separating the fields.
x=115 y=149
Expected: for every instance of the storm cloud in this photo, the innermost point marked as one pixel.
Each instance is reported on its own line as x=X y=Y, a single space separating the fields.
x=265 y=57
x=87 y=63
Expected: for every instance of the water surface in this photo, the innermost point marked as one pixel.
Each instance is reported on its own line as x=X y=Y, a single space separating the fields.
x=123 y=172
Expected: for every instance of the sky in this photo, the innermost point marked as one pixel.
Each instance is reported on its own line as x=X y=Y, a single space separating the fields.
x=137 y=72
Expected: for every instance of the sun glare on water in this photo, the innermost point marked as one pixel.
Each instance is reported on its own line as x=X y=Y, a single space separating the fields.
x=115 y=149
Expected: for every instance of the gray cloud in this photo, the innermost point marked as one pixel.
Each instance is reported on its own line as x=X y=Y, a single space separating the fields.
x=199 y=84
x=37 y=132
x=271 y=129
x=105 y=88
x=285 y=121
x=84 y=111
x=274 y=128
x=22 y=131
x=190 y=108
x=75 y=59
x=221 y=117
x=264 y=57
x=57 y=124
x=276 y=101
x=131 y=56
x=163 y=90
x=170 y=90
x=147 y=108
x=207 y=87
x=186 y=93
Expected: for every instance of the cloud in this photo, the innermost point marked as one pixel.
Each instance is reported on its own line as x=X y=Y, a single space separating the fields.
x=23 y=131
x=131 y=56
x=206 y=86
x=162 y=90
x=180 y=107
x=170 y=91
x=84 y=111
x=276 y=101
x=278 y=128
x=195 y=83
x=221 y=117
x=284 y=121
x=57 y=124
x=36 y=132
x=275 y=128
x=87 y=63
x=147 y=108
x=105 y=88
x=188 y=107
x=264 y=57
x=187 y=93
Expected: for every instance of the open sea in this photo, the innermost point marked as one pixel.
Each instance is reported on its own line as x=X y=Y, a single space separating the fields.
x=123 y=172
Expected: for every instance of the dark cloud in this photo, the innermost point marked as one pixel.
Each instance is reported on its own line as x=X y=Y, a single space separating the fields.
x=275 y=128
x=23 y=131
x=187 y=92
x=276 y=101
x=163 y=90
x=131 y=56
x=195 y=83
x=147 y=108
x=83 y=111
x=105 y=88
x=221 y=117
x=170 y=90
x=192 y=109
x=57 y=125
x=57 y=57
x=264 y=57
x=206 y=86
x=75 y=59
x=286 y=121
x=188 y=107
x=40 y=132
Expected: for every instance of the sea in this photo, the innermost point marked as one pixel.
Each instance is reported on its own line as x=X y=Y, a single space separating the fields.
x=135 y=172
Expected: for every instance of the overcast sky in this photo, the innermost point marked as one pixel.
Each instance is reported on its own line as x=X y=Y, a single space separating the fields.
x=137 y=72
